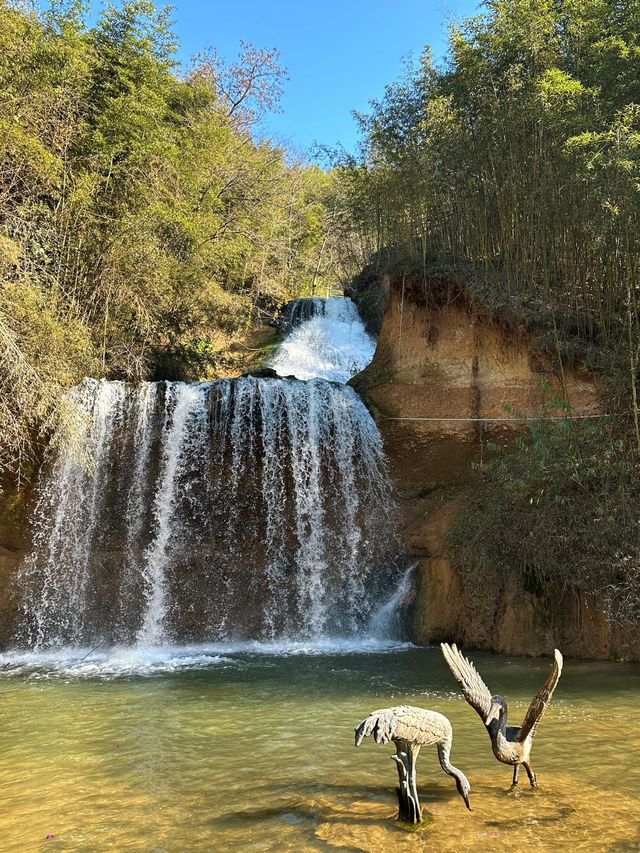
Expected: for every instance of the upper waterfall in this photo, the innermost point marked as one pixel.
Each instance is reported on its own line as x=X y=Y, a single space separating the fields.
x=299 y=310
x=236 y=509
x=330 y=343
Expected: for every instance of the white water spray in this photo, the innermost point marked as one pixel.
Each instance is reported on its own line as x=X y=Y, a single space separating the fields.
x=182 y=434
x=333 y=344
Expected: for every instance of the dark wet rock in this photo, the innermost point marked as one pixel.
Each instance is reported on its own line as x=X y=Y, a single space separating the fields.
x=299 y=311
x=263 y=373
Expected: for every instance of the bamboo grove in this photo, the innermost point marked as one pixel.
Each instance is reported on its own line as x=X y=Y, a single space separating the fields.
x=144 y=221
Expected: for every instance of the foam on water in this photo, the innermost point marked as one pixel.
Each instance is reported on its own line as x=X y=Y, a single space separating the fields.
x=125 y=661
x=122 y=661
x=333 y=344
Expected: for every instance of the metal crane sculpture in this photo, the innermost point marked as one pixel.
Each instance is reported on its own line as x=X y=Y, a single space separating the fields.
x=511 y=744
x=411 y=728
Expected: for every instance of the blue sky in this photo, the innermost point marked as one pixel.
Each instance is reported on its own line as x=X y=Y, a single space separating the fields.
x=339 y=55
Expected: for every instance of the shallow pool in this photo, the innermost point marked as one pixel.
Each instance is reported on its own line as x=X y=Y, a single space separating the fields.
x=247 y=749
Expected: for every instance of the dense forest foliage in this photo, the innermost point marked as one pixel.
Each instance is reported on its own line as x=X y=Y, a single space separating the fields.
x=144 y=222
x=146 y=225
x=516 y=165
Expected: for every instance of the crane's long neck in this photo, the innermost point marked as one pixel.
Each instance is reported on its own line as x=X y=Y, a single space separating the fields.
x=497 y=726
x=462 y=783
x=444 y=753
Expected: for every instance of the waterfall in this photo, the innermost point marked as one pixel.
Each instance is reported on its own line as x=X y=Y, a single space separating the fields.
x=183 y=435
x=224 y=511
x=386 y=621
x=300 y=310
x=73 y=497
x=332 y=344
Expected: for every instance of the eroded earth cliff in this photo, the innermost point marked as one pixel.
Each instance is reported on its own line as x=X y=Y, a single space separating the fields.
x=446 y=381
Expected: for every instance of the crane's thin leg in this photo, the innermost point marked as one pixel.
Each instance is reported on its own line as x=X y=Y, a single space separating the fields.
x=530 y=774
x=516 y=771
x=413 y=783
x=409 y=805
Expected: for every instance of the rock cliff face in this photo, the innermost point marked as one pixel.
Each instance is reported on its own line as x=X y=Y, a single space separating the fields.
x=13 y=543
x=442 y=363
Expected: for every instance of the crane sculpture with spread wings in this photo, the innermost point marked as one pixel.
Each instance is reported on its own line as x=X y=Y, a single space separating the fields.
x=511 y=744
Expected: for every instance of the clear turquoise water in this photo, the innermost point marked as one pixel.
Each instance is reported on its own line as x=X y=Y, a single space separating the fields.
x=238 y=750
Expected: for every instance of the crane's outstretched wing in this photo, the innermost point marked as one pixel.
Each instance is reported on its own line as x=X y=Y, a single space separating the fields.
x=541 y=700
x=474 y=689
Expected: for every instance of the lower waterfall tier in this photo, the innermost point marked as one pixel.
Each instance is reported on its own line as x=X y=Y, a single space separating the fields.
x=243 y=508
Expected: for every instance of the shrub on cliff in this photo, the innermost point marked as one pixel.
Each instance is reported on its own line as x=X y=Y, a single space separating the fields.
x=562 y=512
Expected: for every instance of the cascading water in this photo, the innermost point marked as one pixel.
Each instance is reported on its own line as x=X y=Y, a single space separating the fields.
x=300 y=310
x=184 y=433
x=332 y=344
x=233 y=510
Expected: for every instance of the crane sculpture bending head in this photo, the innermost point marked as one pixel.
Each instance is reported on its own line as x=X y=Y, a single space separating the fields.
x=411 y=728
x=510 y=744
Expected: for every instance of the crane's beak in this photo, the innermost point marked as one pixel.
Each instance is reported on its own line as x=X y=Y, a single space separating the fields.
x=466 y=801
